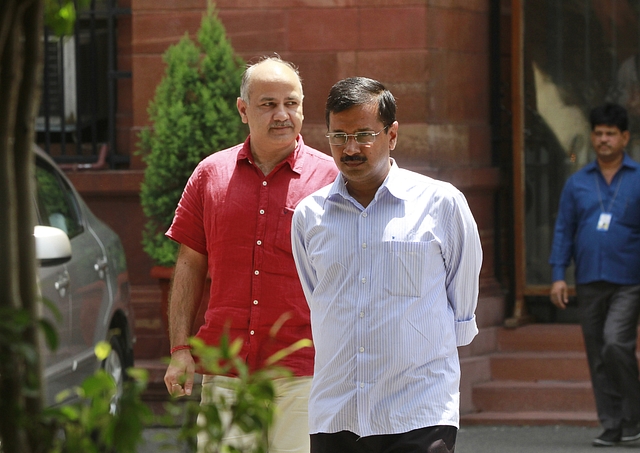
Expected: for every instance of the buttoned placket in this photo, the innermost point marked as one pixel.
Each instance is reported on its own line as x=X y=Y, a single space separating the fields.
x=258 y=260
x=362 y=313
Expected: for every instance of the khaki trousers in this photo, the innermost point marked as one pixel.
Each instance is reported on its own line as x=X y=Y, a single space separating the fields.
x=289 y=432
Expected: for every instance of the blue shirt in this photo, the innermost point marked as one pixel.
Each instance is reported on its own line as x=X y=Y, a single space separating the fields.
x=392 y=289
x=611 y=255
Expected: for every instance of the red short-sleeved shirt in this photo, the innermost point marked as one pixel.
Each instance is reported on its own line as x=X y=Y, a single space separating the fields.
x=241 y=220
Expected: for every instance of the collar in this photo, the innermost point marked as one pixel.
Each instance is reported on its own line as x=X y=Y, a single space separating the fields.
x=295 y=159
x=397 y=184
x=394 y=183
x=627 y=162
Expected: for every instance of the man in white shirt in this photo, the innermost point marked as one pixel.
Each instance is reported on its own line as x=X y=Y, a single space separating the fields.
x=389 y=261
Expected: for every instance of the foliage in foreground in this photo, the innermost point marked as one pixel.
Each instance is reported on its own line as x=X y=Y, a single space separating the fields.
x=88 y=425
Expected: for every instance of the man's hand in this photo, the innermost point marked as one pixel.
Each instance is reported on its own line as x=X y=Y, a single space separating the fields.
x=187 y=287
x=179 y=375
x=559 y=294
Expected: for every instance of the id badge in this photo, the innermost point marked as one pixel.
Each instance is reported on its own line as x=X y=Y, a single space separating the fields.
x=604 y=221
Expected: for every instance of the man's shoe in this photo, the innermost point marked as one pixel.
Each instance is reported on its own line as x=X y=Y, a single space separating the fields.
x=631 y=433
x=608 y=438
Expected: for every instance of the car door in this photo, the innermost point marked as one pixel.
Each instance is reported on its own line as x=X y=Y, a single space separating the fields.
x=89 y=299
x=77 y=287
x=55 y=280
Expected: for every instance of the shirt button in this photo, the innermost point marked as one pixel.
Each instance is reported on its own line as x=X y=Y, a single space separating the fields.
x=362 y=385
x=364 y=280
x=259 y=242
x=264 y=183
x=252 y=332
x=361 y=349
x=261 y=211
x=255 y=302
x=362 y=314
x=256 y=272
x=364 y=245
x=364 y=214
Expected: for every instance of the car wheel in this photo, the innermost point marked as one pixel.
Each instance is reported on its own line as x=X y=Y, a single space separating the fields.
x=114 y=365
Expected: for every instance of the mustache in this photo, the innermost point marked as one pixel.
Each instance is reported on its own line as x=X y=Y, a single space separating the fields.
x=281 y=124
x=354 y=158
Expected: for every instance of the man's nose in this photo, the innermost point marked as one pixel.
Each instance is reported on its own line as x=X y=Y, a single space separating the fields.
x=281 y=113
x=351 y=147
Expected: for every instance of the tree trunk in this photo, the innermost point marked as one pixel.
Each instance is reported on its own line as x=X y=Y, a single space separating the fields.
x=20 y=69
x=27 y=109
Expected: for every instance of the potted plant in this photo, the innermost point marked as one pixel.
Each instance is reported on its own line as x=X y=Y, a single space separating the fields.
x=192 y=114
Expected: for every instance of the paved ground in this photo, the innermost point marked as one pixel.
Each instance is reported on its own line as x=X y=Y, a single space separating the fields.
x=473 y=439
x=532 y=439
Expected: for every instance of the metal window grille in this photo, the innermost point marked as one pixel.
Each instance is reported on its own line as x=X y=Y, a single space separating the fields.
x=76 y=123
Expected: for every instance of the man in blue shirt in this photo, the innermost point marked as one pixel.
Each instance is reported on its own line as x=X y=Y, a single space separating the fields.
x=389 y=262
x=598 y=225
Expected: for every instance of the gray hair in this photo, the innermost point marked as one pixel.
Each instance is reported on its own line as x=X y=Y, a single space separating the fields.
x=246 y=77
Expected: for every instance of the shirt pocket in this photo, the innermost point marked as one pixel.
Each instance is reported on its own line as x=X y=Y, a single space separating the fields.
x=631 y=215
x=407 y=264
x=283 y=232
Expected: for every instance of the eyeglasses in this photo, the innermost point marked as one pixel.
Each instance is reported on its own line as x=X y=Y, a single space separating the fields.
x=361 y=138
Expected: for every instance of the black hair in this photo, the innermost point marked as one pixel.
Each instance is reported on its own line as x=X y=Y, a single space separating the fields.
x=359 y=91
x=609 y=114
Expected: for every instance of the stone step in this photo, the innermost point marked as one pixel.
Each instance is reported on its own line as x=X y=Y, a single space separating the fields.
x=519 y=396
x=531 y=418
x=538 y=376
x=540 y=366
x=542 y=338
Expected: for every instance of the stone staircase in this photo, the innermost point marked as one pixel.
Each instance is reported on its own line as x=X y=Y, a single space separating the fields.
x=539 y=376
x=531 y=375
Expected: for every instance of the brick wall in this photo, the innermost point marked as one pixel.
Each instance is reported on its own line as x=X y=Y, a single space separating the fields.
x=432 y=54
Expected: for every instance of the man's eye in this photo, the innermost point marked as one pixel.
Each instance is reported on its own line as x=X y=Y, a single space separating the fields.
x=364 y=134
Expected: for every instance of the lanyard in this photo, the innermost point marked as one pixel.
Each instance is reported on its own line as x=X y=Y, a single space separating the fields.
x=595 y=176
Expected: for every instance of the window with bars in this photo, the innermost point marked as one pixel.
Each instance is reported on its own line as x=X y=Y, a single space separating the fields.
x=76 y=119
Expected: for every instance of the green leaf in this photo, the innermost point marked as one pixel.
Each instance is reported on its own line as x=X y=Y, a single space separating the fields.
x=60 y=18
x=102 y=350
x=50 y=334
x=60 y=15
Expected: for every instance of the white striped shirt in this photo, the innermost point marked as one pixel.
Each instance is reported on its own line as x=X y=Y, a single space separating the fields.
x=392 y=291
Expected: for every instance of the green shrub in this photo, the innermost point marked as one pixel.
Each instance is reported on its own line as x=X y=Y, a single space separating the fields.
x=193 y=114
x=88 y=425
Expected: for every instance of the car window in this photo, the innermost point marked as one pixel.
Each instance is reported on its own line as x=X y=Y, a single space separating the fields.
x=56 y=203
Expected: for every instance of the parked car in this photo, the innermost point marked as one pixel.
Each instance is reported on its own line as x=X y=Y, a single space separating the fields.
x=83 y=272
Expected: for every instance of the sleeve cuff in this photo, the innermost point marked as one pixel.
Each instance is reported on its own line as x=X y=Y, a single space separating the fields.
x=466 y=331
x=557 y=273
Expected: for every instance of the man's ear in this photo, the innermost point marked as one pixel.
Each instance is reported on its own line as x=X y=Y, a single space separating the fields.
x=393 y=136
x=242 y=110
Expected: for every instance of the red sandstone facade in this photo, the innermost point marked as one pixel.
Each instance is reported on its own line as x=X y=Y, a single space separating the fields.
x=432 y=54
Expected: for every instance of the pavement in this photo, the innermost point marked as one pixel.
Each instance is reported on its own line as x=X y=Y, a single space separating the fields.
x=532 y=439
x=471 y=439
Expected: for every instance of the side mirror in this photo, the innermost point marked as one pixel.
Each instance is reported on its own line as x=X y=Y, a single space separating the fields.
x=52 y=245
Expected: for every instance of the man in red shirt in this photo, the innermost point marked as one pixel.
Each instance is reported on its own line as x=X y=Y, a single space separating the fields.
x=234 y=222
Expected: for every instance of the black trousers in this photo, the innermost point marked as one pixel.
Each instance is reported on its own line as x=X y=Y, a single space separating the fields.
x=609 y=318
x=433 y=439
